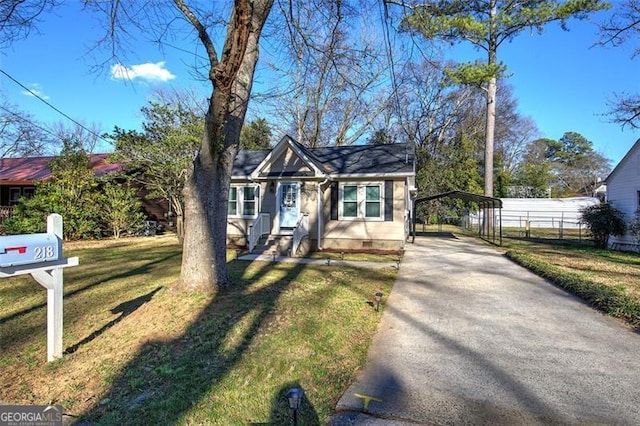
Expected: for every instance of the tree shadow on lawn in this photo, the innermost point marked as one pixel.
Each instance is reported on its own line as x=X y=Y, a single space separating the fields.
x=166 y=379
x=124 y=309
x=140 y=270
x=20 y=326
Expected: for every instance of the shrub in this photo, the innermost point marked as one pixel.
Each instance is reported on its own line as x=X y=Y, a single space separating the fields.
x=634 y=226
x=602 y=220
x=121 y=208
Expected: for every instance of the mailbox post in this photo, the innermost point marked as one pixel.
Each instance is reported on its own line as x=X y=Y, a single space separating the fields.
x=41 y=256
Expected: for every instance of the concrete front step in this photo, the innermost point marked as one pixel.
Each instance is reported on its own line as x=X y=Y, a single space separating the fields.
x=275 y=244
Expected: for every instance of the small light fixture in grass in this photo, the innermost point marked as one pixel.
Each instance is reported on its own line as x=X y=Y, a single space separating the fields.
x=295 y=397
x=378 y=297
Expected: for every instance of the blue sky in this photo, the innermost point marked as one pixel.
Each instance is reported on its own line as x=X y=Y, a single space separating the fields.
x=559 y=79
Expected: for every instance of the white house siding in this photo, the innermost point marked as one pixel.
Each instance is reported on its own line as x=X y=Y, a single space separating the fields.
x=544 y=212
x=622 y=193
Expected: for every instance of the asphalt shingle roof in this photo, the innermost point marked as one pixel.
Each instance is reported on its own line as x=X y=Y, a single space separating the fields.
x=353 y=159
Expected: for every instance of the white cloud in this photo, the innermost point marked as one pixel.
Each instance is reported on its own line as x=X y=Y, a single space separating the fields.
x=35 y=89
x=150 y=72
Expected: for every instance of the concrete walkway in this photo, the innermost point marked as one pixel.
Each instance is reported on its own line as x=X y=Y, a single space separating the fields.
x=468 y=338
x=306 y=260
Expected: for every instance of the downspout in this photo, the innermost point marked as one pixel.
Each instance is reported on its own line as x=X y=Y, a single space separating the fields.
x=319 y=213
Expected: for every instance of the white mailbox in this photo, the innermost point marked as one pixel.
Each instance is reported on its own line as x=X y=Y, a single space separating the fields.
x=28 y=248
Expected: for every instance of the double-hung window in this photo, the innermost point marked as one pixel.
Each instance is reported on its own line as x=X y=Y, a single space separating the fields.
x=249 y=201
x=243 y=201
x=361 y=200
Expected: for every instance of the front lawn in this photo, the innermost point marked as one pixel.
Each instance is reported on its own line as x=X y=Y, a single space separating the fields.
x=139 y=353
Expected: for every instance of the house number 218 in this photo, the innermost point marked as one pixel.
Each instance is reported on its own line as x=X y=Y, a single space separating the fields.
x=43 y=253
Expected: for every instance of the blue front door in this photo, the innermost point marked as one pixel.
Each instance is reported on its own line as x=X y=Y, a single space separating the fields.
x=289 y=204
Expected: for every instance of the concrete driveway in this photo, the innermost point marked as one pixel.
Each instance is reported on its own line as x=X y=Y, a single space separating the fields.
x=468 y=337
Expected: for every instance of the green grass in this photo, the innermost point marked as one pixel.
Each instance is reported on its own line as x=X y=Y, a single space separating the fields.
x=608 y=280
x=139 y=353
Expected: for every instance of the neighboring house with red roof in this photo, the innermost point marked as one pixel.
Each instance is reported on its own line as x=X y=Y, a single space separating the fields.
x=19 y=175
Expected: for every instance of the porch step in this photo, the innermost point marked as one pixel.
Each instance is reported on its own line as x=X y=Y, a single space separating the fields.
x=275 y=244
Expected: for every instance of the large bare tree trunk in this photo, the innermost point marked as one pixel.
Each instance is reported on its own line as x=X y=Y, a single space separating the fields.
x=204 y=265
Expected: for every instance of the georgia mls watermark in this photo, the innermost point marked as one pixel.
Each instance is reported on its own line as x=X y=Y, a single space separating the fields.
x=30 y=415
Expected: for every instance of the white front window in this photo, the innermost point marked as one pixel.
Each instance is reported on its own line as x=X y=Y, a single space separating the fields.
x=243 y=201
x=361 y=200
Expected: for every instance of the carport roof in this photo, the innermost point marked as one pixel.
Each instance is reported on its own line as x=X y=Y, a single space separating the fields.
x=482 y=200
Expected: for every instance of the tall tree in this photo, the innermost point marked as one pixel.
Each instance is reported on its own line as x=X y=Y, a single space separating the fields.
x=331 y=87
x=22 y=135
x=533 y=175
x=230 y=71
x=577 y=166
x=161 y=156
x=428 y=110
x=204 y=260
x=624 y=27
x=487 y=25
x=567 y=167
x=256 y=135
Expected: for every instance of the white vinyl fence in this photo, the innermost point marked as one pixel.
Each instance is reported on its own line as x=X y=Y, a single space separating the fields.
x=527 y=216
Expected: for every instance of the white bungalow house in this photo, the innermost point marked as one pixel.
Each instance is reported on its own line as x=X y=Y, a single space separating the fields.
x=296 y=199
x=623 y=193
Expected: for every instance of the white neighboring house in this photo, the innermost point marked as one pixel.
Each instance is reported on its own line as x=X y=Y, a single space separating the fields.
x=623 y=193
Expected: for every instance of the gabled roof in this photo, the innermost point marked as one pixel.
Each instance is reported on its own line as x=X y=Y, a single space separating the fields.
x=27 y=170
x=332 y=162
x=626 y=158
x=280 y=148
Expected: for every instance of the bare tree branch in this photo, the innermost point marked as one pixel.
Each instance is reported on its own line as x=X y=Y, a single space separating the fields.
x=19 y=17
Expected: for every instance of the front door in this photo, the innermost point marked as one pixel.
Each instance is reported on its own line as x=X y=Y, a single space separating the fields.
x=289 y=204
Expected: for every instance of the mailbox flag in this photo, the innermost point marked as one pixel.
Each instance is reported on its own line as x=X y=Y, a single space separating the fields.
x=20 y=250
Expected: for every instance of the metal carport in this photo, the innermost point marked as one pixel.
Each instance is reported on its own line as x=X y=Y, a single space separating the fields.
x=486 y=205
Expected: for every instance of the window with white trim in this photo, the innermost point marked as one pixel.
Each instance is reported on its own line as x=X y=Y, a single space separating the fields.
x=361 y=200
x=243 y=201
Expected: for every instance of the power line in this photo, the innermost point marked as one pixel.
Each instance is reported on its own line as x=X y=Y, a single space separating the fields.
x=20 y=117
x=31 y=92
x=384 y=16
